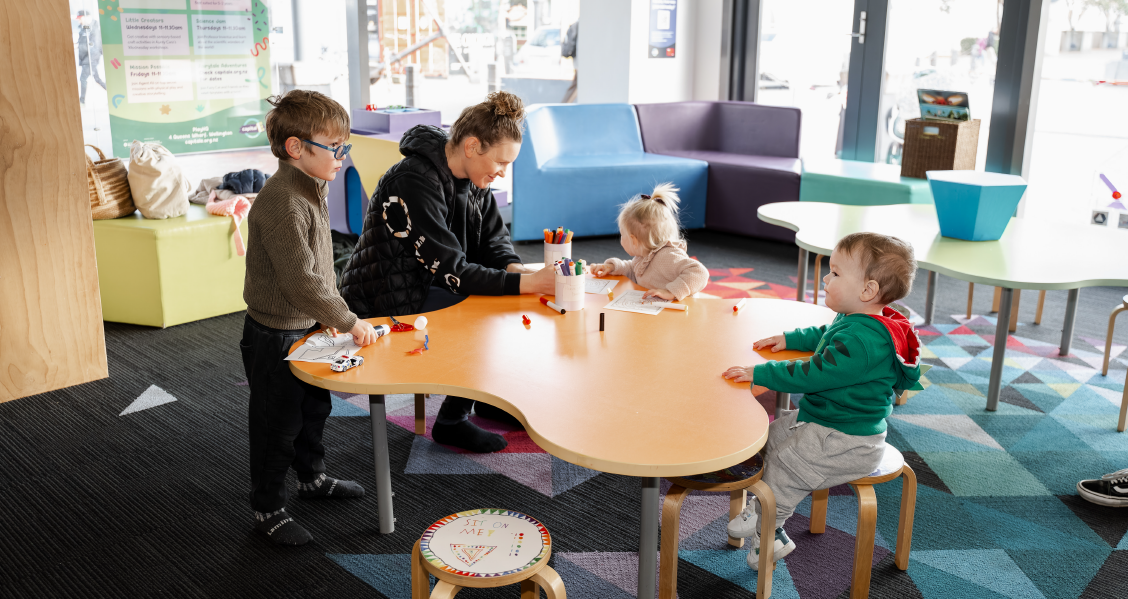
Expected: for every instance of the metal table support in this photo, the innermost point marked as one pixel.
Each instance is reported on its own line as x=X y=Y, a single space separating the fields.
x=783 y=402
x=801 y=280
x=930 y=297
x=648 y=539
x=1001 y=331
x=1070 y=319
x=383 y=467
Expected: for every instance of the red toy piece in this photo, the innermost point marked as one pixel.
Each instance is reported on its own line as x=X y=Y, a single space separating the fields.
x=418 y=350
x=1116 y=195
x=525 y=320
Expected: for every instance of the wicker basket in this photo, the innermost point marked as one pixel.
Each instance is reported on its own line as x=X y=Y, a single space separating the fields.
x=939 y=146
x=109 y=187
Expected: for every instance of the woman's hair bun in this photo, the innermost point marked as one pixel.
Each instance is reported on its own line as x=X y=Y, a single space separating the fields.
x=506 y=104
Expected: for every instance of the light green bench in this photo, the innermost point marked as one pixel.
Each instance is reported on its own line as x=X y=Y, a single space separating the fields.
x=162 y=273
x=860 y=184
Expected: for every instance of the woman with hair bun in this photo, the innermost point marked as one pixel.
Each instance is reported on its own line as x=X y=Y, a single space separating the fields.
x=433 y=235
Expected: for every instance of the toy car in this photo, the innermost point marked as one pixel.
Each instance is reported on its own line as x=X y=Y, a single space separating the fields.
x=346 y=362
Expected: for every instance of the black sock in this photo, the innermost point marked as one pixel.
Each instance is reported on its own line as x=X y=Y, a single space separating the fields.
x=324 y=487
x=496 y=414
x=468 y=436
x=281 y=528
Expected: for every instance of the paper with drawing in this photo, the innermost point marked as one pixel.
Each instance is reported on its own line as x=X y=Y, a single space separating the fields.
x=599 y=286
x=323 y=349
x=631 y=301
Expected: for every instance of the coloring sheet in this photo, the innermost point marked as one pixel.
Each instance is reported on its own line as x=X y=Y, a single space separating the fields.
x=323 y=349
x=631 y=301
x=599 y=286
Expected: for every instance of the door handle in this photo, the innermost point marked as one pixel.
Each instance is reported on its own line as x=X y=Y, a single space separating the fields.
x=861 y=33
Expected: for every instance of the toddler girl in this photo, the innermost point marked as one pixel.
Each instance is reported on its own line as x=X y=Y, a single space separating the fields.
x=649 y=231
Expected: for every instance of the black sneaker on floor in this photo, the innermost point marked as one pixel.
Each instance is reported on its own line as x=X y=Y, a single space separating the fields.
x=496 y=414
x=280 y=528
x=1110 y=489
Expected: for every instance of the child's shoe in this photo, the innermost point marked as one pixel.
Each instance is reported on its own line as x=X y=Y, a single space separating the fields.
x=1110 y=489
x=746 y=523
x=783 y=546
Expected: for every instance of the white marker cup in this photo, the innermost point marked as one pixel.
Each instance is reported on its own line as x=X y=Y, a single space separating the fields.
x=570 y=291
x=556 y=251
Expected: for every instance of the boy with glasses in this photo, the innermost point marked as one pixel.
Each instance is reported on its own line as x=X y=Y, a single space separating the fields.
x=289 y=288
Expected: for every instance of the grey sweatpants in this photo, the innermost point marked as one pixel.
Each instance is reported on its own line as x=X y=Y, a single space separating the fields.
x=801 y=457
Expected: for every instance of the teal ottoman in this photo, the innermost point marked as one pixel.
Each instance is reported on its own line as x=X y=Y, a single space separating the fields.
x=860 y=184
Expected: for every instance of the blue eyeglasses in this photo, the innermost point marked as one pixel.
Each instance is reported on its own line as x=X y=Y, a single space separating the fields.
x=338 y=153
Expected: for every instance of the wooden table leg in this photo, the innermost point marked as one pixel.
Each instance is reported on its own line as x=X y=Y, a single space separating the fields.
x=420 y=414
x=993 y=383
x=801 y=278
x=766 y=498
x=995 y=300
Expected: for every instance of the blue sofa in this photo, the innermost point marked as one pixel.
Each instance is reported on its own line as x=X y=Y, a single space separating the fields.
x=580 y=162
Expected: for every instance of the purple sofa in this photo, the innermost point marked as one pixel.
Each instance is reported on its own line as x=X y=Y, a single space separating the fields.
x=752 y=151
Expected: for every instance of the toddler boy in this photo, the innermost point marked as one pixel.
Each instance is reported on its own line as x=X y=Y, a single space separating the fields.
x=862 y=361
x=289 y=288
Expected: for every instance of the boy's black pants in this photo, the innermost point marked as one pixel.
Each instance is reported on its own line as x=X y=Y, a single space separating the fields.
x=285 y=416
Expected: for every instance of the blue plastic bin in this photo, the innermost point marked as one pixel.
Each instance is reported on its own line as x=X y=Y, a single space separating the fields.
x=973 y=205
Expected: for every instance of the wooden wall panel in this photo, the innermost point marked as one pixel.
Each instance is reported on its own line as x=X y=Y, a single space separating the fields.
x=51 y=332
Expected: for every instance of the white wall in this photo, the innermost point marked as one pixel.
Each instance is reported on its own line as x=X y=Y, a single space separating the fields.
x=613 y=64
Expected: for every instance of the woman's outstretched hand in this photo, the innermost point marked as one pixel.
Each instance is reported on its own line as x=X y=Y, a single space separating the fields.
x=542 y=281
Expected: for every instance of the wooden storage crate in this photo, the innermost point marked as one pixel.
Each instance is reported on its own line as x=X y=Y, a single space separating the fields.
x=939 y=146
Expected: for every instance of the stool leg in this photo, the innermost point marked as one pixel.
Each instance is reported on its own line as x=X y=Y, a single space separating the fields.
x=530 y=589
x=420 y=580
x=902 y=399
x=668 y=558
x=420 y=415
x=819 y=500
x=863 y=542
x=1041 y=304
x=445 y=590
x=970 y=296
x=1014 y=311
x=818 y=271
x=905 y=522
x=737 y=501
x=1108 y=338
x=767 y=538
x=550 y=581
x=995 y=300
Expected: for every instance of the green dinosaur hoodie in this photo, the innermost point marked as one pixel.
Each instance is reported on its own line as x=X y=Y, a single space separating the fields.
x=861 y=363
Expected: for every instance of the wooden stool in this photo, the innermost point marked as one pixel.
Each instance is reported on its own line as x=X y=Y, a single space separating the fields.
x=892 y=465
x=736 y=481
x=1013 y=324
x=484 y=548
x=1108 y=354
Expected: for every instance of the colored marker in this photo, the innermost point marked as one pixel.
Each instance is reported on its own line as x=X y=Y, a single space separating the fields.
x=525 y=320
x=739 y=305
x=559 y=235
x=544 y=300
x=547 y=236
x=568 y=236
x=601 y=322
x=579 y=269
x=676 y=306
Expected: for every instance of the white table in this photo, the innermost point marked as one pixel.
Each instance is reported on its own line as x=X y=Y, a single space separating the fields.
x=1030 y=255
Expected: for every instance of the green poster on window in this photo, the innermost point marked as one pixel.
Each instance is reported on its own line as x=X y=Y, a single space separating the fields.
x=193 y=75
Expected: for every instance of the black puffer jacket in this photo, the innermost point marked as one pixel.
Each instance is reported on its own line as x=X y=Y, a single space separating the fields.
x=425 y=227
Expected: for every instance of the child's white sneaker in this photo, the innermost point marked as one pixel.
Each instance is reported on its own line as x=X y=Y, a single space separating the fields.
x=746 y=523
x=783 y=546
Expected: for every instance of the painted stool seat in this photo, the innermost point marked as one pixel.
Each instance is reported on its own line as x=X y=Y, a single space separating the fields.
x=1108 y=354
x=484 y=548
x=892 y=465
x=736 y=480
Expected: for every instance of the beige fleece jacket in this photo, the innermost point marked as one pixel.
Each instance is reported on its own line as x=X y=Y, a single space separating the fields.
x=668 y=267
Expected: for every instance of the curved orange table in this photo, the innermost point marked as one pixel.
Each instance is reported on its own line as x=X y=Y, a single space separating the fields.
x=644 y=398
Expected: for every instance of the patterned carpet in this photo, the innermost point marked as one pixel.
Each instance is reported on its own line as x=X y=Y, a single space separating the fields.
x=136 y=485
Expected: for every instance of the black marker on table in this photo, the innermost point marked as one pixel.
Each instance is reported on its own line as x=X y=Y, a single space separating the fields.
x=601 y=322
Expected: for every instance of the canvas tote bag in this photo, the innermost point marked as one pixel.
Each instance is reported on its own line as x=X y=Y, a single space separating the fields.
x=108 y=186
x=159 y=186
